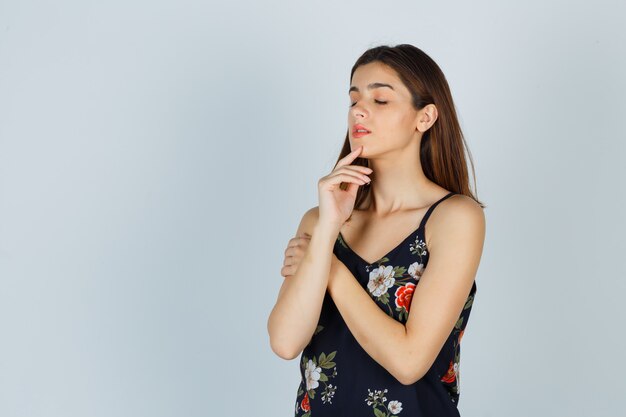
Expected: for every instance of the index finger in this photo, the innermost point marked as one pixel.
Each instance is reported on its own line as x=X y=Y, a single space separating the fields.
x=346 y=160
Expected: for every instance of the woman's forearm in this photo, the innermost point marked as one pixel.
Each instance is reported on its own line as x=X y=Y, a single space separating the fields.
x=295 y=316
x=381 y=336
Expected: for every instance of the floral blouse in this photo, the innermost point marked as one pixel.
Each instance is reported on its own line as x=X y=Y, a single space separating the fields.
x=338 y=378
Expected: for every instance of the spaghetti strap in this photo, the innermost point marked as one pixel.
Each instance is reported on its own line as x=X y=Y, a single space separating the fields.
x=432 y=207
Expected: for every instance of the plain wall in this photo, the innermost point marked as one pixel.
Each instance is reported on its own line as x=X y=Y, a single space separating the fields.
x=157 y=156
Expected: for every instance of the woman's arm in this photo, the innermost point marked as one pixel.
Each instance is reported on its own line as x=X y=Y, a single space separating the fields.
x=295 y=316
x=408 y=350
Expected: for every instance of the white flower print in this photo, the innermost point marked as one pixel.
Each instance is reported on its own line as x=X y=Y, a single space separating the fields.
x=316 y=375
x=381 y=279
x=377 y=399
x=416 y=270
x=419 y=247
x=312 y=375
x=374 y=397
x=394 y=406
x=328 y=393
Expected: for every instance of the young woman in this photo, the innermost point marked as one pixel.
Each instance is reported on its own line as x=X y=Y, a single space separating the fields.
x=371 y=340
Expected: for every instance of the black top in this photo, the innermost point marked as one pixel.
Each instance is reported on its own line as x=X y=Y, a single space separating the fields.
x=339 y=378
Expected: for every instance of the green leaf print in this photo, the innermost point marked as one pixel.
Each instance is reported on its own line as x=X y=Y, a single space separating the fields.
x=326 y=361
x=459 y=323
x=384 y=298
x=379 y=413
x=402 y=313
x=313 y=374
x=399 y=271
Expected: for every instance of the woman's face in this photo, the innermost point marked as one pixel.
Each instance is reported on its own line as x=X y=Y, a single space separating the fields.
x=380 y=103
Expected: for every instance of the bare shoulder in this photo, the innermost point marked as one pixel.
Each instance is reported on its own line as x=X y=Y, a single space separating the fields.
x=457 y=217
x=308 y=222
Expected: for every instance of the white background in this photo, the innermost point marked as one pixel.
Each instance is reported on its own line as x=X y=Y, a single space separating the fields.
x=157 y=156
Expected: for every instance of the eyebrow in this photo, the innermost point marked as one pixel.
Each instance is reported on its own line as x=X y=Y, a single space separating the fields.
x=370 y=87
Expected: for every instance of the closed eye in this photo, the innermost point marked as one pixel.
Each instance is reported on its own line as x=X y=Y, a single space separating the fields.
x=377 y=102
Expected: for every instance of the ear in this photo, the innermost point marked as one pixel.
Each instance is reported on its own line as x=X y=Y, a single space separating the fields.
x=426 y=117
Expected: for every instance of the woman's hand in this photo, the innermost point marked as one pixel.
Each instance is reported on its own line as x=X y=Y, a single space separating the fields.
x=335 y=204
x=296 y=248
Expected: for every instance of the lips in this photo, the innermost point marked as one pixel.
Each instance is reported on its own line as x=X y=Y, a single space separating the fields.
x=358 y=131
x=357 y=127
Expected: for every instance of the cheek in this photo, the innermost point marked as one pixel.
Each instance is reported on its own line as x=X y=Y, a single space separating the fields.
x=407 y=120
x=399 y=125
x=406 y=125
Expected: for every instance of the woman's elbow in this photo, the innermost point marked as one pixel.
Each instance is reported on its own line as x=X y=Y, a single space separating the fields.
x=409 y=375
x=283 y=351
x=280 y=345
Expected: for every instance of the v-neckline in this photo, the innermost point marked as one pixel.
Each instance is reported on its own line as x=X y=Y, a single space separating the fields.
x=387 y=255
x=399 y=245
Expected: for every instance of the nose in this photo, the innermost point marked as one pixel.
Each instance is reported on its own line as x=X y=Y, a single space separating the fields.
x=358 y=111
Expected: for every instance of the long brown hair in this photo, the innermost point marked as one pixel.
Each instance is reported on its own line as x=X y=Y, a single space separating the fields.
x=441 y=150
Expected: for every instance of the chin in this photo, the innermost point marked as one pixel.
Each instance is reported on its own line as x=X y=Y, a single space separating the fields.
x=363 y=152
